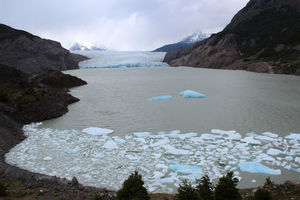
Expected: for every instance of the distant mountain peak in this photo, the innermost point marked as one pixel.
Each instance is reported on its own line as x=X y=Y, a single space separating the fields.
x=195 y=37
x=93 y=47
x=186 y=42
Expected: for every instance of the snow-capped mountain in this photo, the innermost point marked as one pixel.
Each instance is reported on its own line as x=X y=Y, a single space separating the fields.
x=80 y=47
x=186 y=42
x=195 y=37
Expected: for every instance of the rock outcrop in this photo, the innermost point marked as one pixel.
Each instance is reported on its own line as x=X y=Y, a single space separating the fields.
x=31 y=54
x=30 y=98
x=262 y=37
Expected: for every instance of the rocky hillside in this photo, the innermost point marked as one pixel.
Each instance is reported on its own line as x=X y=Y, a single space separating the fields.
x=262 y=37
x=31 y=54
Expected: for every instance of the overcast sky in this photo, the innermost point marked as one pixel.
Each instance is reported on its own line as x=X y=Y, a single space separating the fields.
x=118 y=24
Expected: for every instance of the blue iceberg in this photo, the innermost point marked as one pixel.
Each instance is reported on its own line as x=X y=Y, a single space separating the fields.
x=191 y=94
x=255 y=167
x=186 y=169
x=161 y=98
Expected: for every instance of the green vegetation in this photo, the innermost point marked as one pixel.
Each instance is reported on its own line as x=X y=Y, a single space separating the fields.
x=2 y=190
x=268 y=181
x=226 y=188
x=205 y=188
x=262 y=195
x=133 y=189
x=187 y=192
x=3 y=97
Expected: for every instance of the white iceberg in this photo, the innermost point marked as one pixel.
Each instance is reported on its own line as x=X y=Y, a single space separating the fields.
x=141 y=134
x=110 y=145
x=161 y=98
x=172 y=150
x=255 y=167
x=97 y=131
x=186 y=169
x=191 y=94
x=295 y=136
x=274 y=152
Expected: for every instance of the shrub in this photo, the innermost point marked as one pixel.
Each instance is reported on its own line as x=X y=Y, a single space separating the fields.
x=205 y=188
x=226 y=188
x=4 y=97
x=262 y=195
x=187 y=192
x=268 y=181
x=2 y=190
x=133 y=189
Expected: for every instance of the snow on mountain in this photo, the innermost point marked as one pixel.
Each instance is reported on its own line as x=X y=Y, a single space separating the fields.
x=80 y=47
x=195 y=37
x=186 y=42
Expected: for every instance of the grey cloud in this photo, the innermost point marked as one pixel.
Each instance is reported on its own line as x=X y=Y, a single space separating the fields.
x=118 y=24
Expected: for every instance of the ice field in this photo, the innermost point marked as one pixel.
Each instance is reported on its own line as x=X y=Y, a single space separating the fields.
x=98 y=158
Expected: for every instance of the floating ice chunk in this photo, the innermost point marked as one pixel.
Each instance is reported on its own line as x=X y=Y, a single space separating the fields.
x=161 y=166
x=119 y=140
x=207 y=136
x=168 y=180
x=295 y=136
x=47 y=158
x=251 y=140
x=297 y=160
x=255 y=167
x=251 y=134
x=73 y=151
x=172 y=150
x=265 y=138
x=157 y=175
x=269 y=134
x=142 y=140
x=265 y=157
x=191 y=94
x=293 y=142
x=160 y=142
x=274 y=152
x=232 y=135
x=110 y=145
x=161 y=98
x=253 y=181
x=186 y=135
x=97 y=131
x=186 y=169
x=141 y=134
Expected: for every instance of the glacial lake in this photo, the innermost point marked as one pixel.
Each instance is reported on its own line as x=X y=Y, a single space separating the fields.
x=248 y=123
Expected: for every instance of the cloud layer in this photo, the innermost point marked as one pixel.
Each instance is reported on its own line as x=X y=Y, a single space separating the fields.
x=118 y=24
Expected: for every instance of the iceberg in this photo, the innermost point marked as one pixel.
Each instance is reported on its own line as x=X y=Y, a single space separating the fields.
x=97 y=131
x=274 y=152
x=255 y=167
x=110 y=145
x=161 y=98
x=191 y=94
x=141 y=134
x=186 y=169
x=172 y=150
x=47 y=158
x=294 y=136
x=251 y=140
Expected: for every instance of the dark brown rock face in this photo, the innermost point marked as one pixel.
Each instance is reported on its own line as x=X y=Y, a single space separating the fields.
x=262 y=37
x=31 y=54
x=30 y=98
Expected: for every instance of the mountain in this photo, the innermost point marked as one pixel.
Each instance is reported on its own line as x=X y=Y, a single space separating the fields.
x=80 y=47
x=32 y=54
x=262 y=37
x=186 y=42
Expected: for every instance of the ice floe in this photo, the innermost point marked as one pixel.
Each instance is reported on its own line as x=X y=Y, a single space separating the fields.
x=191 y=94
x=163 y=158
x=97 y=131
x=161 y=98
x=255 y=167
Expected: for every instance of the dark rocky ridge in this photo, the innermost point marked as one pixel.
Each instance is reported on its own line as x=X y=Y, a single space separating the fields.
x=262 y=37
x=31 y=54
